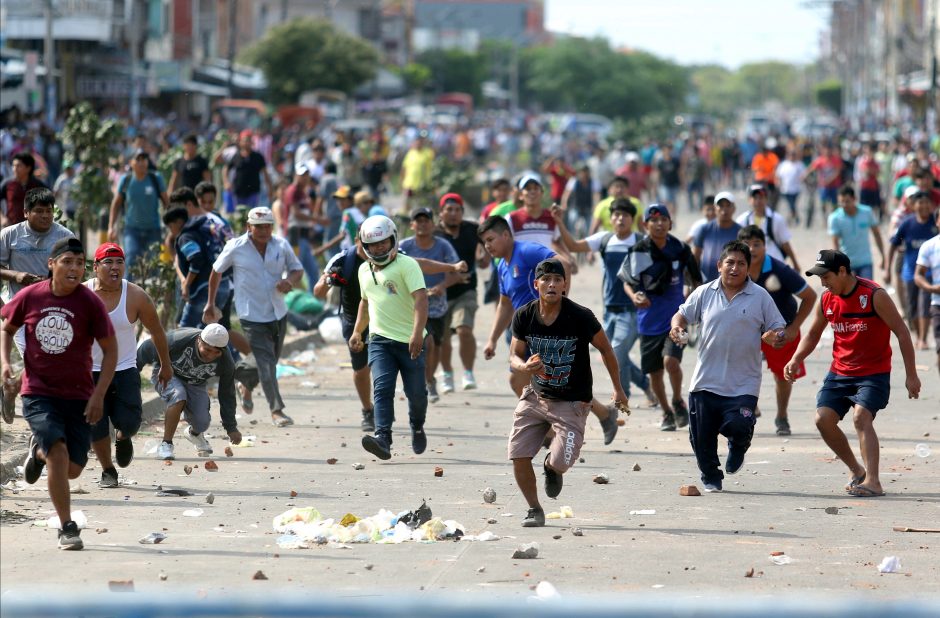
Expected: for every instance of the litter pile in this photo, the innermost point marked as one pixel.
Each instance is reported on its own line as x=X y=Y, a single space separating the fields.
x=300 y=527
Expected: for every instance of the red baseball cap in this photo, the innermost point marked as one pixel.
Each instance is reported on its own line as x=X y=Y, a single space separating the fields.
x=108 y=249
x=246 y=133
x=451 y=197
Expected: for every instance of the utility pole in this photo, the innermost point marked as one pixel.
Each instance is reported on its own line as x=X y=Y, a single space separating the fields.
x=232 y=34
x=52 y=103
x=135 y=37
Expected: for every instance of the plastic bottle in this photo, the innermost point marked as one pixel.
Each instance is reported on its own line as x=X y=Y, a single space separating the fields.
x=922 y=450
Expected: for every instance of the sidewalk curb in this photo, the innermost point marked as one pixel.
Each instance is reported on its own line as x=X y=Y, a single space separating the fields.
x=152 y=405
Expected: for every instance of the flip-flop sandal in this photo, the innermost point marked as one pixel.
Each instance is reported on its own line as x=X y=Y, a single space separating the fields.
x=282 y=420
x=863 y=492
x=856 y=480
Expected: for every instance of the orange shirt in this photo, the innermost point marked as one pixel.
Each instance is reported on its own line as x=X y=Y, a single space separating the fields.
x=764 y=165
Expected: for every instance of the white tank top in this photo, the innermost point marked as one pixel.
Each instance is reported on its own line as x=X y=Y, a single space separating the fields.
x=124 y=330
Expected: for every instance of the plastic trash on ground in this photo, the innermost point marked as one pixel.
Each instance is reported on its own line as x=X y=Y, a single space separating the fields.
x=77 y=516
x=890 y=564
x=331 y=329
x=287 y=370
x=564 y=513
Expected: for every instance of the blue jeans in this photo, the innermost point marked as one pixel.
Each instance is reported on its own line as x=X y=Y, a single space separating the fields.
x=137 y=244
x=309 y=262
x=191 y=316
x=621 y=330
x=388 y=358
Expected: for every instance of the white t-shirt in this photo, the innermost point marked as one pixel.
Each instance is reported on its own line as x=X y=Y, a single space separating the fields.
x=781 y=231
x=790 y=174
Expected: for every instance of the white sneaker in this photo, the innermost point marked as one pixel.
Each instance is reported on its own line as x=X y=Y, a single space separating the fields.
x=165 y=451
x=203 y=448
x=447 y=382
x=432 y=392
x=469 y=382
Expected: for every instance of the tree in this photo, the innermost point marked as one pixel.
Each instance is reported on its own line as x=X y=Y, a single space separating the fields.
x=417 y=76
x=93 y=142
x=454 y=70
x=829 y=95
x=307 y=54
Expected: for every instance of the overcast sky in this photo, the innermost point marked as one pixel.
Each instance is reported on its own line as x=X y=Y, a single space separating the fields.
x=727 y=32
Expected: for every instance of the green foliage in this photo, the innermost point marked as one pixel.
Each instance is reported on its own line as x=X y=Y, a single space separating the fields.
x=587 y=76
x=207 y=149
x=454 y=70
x=829 y=95
x=93 y=143
x=446 y=176
x=307 y=54
x=416 y=75
x=651 y=126
x=722 y=92
x=157 y=276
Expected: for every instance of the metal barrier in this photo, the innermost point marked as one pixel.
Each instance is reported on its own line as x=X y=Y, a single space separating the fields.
x=289 y=604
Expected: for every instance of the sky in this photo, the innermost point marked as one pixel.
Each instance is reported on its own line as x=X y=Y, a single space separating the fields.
x=726 y=32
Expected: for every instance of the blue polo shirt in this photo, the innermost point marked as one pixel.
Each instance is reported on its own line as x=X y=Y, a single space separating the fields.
x=711 y=238
x=517 y=275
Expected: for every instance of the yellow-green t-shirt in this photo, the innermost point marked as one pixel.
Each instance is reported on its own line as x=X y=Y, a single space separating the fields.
x=602 y=213
x=417 y=168
x=389 y=294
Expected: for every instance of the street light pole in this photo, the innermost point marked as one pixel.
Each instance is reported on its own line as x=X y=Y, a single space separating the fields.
x=52 y=103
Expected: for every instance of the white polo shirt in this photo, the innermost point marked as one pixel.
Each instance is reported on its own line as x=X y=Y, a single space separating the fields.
x=256 y=298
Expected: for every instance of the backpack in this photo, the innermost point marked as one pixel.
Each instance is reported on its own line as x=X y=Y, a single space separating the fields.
x=126 y=181
x=605 y=240
x=770 y=225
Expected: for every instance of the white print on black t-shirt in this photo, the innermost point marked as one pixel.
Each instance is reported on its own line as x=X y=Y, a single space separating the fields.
x=54 y=331
x=556 y=355
x=192 y=371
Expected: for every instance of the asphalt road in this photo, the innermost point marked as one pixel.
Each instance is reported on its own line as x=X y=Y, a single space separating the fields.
x=690 y=545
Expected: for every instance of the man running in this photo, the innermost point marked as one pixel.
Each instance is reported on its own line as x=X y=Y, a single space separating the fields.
x=62 y=318
x=782 y=283
x=862 y=317
x=927 y=277
x=736 y=317
x=127 y=304
x=550 y=338
x=196 y=356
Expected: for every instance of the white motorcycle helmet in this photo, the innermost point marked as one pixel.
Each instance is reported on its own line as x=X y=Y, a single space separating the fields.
x=376 y=229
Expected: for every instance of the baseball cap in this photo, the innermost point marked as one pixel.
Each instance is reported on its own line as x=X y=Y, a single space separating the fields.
x=551 y=266
x=754 y=188
x=422 y=211
x=829 y=260
x=362 y=197
x=66 y=245
x=260 y=216
x=301 y=168
x=140 y=152
x=656 y=209
x=526 y=179
x=725 y=195
x=343 y=192
x=632 y=156
x=108 y=249
x=911 y=191
x=214 y=335
x=451 y=197
x=245 y=133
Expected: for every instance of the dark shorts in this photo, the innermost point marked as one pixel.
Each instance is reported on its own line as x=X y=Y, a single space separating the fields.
x=918 y=301
x=870 y=197
x=829 y=195
x=52 y=419
x=653 y=348
x=935 y=320
x=840 y=393
x=123 y=407
x=359 y=360
x=435 y=328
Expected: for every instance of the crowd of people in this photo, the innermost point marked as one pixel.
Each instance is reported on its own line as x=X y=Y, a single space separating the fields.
x=315 y=225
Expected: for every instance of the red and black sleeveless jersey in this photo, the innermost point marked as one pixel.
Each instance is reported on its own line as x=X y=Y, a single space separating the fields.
x=862 y=340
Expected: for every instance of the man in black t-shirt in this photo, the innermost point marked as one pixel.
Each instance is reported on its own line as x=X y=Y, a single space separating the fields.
x=556 y=331
x=243 y=172
x=191 y=168
x=462 y=297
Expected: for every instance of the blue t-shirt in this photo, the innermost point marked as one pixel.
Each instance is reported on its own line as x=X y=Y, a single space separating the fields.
x=912 y=234
x=614 y=254
x=656 y=319
x=517 y=276
x=788 y=283
x=852 y=233
x=442 y=251
x=710 y=239
x=142 y=200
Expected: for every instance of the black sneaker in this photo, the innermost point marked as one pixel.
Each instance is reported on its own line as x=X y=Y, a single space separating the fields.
x=668 y=424
x=123 y=452
x=368 y=421
x=377 y=446
x=534 y=518
x=734 y=461
x=681 y=413
x=419 y=441
x=553 y=480
x=69 y=537
x=609 y=424
x=783 y=426
x=32 y=467
x=109 y=478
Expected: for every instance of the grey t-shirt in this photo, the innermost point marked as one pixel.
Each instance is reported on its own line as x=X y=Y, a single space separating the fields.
x=189 y=368
x=24 y=250
x=729 y=356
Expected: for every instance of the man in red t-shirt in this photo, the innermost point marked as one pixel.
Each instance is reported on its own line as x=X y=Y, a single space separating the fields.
x=62 y=318
x=558 y=172
x=862 y=317
x=828 y=168
x=13 y=190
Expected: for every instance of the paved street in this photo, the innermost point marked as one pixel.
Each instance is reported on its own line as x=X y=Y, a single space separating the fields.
x=697 y=545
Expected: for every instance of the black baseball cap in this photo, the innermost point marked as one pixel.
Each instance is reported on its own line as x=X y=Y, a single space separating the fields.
x=829 y=260
x=66 y=245
x=551 y=266
x=422 y=211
